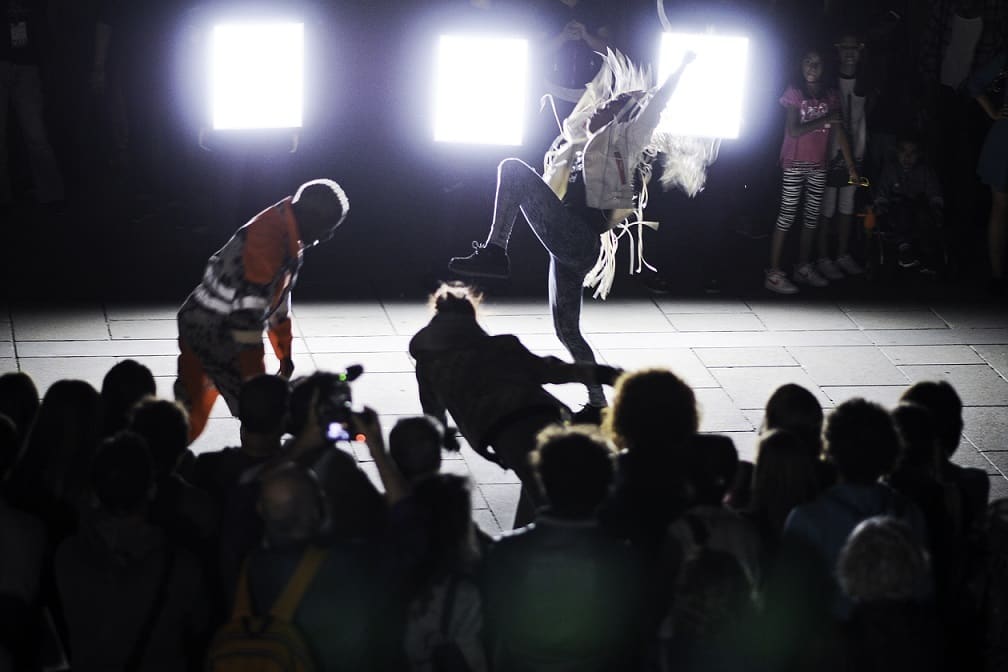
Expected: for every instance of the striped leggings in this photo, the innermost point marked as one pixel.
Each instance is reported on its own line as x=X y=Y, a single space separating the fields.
x=800 y=176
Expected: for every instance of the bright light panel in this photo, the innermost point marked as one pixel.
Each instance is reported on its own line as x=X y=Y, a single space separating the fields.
x=257 y=75
x=480 y=90
x=708 y=101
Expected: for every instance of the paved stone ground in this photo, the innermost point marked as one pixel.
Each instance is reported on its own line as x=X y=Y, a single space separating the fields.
x=733 y=352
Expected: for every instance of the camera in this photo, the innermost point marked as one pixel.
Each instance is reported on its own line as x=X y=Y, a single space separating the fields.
x=334 y=405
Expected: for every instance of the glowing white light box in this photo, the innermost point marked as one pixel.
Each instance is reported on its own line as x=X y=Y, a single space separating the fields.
x=708 y=101
x=479 y=95
x=257 y=75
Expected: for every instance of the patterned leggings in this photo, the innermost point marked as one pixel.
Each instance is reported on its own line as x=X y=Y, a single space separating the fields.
x=572 y=244
x=797 y=177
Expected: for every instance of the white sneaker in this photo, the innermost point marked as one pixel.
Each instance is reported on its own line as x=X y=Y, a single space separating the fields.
x=849 y=266
x=776 y=281
x=828 y=269
x=805 y=274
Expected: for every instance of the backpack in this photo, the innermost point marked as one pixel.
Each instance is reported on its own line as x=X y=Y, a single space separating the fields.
x=251 y=642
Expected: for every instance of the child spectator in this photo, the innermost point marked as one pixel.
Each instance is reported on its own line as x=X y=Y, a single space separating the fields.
x=838 y=198
x=813 y=113
x=908 y=198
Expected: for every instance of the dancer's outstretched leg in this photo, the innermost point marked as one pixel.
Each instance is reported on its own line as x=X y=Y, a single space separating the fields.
x=519 y=189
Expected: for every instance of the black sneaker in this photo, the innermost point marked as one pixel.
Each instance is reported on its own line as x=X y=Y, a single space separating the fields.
x=906 y=257
x=486 y=261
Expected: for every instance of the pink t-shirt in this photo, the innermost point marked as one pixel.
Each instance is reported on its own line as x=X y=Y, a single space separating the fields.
x=810 y=148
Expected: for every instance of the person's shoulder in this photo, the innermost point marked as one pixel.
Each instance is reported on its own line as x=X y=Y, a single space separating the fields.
x=791 y=97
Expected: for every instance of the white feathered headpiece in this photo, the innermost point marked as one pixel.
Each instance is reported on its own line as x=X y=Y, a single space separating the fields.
x=684 y=159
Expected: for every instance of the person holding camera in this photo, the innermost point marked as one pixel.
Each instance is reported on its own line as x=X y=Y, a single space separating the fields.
x=492 y=386
x=246 y=288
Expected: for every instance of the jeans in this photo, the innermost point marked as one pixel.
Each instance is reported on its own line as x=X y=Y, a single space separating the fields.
x=572 y=244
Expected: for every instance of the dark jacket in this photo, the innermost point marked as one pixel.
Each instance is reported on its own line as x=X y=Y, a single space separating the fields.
x=108 y=575
x=561 y=595
x=482 y=380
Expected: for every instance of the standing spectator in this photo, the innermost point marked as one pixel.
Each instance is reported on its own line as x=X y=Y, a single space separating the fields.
x=50 y=478
x=444 y=608
x=708 y=523
x=229 y=475
x=654 y=414
x=987 y=86
x=187 y=514
x=21 y=88
x=132 y=599
x=339 y=612
x=572 y=41
x=785 y=476
x=972 y=484
x=838 y=198
x=131 y=55
x=562 y=594
x=813 y=114
x=862 y=443
x=961 y=35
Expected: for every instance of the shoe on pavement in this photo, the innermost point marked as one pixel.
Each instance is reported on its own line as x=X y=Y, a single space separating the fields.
x=849 y=266
x=805 y=274
x=776 y=281
x=826 y=268
x=486 y=261
x=906 y=257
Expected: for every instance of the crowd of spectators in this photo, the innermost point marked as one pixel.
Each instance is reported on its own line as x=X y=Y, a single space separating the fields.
x=853 y=542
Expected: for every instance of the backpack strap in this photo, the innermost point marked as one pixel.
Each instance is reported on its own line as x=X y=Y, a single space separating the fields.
x=290 y=598
x=243 y=596
x=147 y=629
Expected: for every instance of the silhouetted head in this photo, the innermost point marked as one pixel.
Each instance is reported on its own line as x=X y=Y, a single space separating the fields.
x=861 y=441
x=264 y=404
x=574 y=465
x=124 y=385
x=291 y=506
x=164 y=425
x=415 y=446
x=919 y=439
x=794 y=408
x=943 y=401
x=652 y=410
x=122 y=476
